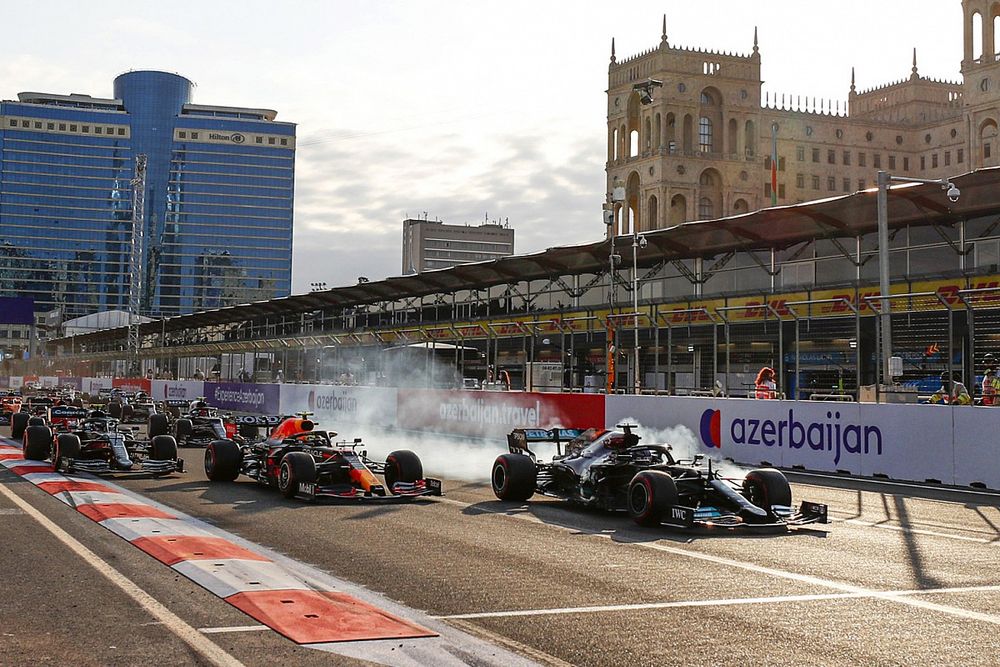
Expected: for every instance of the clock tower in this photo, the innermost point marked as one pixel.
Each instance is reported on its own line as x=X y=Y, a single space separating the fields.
x=981 y=74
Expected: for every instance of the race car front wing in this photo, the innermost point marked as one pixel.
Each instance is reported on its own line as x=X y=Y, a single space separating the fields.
x=401 y=491
x=711 y=517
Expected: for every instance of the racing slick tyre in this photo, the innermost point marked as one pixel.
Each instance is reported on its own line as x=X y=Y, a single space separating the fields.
x=514 y=477
x=182 y=430
x=36 y=421
x=37 y=443
x=651 y=493
x=18 y=422
x=222 y=461
x=77 y=402
x=402 y=466
x=163 y=448
x=115 y=409
x=127 y=411
x=296 y=468
x=86 y=397
x=158 y=425
x=765 y=487
x=66 y=446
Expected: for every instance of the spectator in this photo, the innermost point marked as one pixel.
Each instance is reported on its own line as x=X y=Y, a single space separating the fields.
x=952 y=391
x=765 y=385
x=198 y=375
x=244 y=375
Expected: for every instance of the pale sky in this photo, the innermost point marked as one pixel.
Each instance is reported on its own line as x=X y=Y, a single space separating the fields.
x=462 y=109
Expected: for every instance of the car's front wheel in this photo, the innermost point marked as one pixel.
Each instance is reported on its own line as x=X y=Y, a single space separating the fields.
x=766 y=487
x=222 y=461
x=651 y=494
x=296 y=468
x=402 y=466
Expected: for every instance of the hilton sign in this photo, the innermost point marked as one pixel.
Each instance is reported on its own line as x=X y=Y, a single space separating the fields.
x=235 y=137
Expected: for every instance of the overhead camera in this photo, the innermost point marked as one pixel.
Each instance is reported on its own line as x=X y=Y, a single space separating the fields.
x=953 y=193
x=645 y=89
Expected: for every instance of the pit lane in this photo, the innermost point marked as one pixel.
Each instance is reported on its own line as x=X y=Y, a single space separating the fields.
x=903 y=575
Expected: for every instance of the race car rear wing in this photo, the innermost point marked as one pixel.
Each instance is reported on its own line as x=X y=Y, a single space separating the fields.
x=259 y=420
x=176 y=403
x=61 y=412
x=519 y=439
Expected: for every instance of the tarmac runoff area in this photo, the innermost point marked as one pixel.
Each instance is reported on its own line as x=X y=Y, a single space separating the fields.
x=904 y=575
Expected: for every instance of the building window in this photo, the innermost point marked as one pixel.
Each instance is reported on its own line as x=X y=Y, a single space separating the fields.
x=705 y=208
x=831 y=183
x=800 y=180
x=847 y=158
x=831 y=157
x=62 y=127
x=861 y=184
x=51 y=126
x=109 y=130
x=194 y=135
x=847 y=185
x=934 y=161
x=260 y=140
x=767 y=162
x=38 y=125
x=861 y=159
x=961 y=155
x=892 y=162
x=97 y=129
x=923 y=162
x=284 y=142
x=947 y=158
x=121 y=131
x=781 y=190
x=13 y=123
x=72 y=128
x=986 y=150
x=781 y=164
x=906 y=164
x=815 y=155
x=705 y=134
x=798 y=273
x=815 y=182
x=270 y=140
x=800 y=153
x=86 y=129
x=767 y=190
x=877 y=160
x=987 y=254
x=182 y=135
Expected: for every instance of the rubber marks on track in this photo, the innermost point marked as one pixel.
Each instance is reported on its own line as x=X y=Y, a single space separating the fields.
x=303 y=610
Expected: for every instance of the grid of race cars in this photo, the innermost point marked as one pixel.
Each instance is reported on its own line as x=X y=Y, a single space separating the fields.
x=607 y=469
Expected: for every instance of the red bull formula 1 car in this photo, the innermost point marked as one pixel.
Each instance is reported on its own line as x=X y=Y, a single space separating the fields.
x=610 y=470
x=304 y=462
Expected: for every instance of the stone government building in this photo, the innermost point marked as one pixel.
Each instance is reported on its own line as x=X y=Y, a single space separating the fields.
x=702 y=149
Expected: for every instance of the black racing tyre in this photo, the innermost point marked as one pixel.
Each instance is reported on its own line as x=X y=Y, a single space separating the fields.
x=37 y=443
x=651 y=494
x=66 y=446
x=514 y=477
x=115 y=409
x=222 y=461
x=765 y=487
x=163 y=448
x=18 y=422
x=127 y=411
x=182 y=430
x=173 y=411
x=402 y=466
x=36 y=421
x=86 y=396
x=159 y=424
x=77 y=402
x=296 y=468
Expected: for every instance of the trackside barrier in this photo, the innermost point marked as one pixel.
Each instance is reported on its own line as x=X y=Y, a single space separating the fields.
x=952 y=445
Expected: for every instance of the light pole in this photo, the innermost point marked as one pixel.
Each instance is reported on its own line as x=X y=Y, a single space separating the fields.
x=885 y=316
x=638 y=241
x=617 y=197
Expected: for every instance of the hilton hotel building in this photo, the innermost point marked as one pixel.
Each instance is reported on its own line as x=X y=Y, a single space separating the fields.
x=218 y=199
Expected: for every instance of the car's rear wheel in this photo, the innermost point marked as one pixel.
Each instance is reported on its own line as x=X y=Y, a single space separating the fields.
x=18 y=422
x=765 y=487
x=66 y=446
x=222 y=461
x=115 y=409
x=37 y=443
x=127 y=411
x=182 y=430
x=651 y=494
x=296 y=468
x=158 y=425
x=36 y=421
x=514 y=477
x=402 y=466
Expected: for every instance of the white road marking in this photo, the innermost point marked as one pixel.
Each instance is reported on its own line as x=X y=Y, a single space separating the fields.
x=234 y=628
x=759 y=569
x=211 y=652
x=725 y=602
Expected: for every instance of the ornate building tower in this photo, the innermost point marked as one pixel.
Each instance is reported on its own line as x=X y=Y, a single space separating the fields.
x=981 y=71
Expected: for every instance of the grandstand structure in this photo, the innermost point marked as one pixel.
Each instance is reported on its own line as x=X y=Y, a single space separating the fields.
x=717 y=299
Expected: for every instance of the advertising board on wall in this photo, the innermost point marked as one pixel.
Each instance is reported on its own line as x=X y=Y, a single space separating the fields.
x=334 y=404
x=244 y=397
x=132 y=384
x=94 y=385
x=175 y=390
x=492 y=414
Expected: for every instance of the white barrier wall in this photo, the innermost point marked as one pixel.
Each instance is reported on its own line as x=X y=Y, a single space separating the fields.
x=167 y=390
x=94 y=385
x=333 y=405
x=953 y=445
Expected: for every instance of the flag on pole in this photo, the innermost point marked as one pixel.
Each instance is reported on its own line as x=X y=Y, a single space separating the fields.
x=774 y=164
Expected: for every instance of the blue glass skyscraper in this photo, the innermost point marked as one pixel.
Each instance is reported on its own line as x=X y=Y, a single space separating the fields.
x=218 y=204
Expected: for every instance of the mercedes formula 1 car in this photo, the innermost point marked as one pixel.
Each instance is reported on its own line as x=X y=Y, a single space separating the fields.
x=610 y=470
x=306 y=463
x=95 y=442
x=197 y=427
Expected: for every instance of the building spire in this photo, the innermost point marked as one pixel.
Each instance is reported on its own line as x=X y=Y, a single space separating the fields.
x=913 y=71
x=663 y=36
x=853 y=89
x=613 y=50
x=755 y=47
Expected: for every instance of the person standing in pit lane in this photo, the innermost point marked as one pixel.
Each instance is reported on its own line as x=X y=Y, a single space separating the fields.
x=952 y=392
x=991 y=384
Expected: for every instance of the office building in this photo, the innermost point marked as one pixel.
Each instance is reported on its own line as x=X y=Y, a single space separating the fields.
x=218 y=199
x=431 y=244
x=702 y=148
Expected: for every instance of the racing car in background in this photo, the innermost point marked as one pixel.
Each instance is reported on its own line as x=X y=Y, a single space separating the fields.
x=611 y=470
x=10 y=403
x=304 y=462
x=98 y=444
x=197 y=427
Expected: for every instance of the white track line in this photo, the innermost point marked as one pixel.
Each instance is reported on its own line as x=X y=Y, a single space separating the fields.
x=760 y=569
x=234 y=628
x=211 y=652
x=725 y=602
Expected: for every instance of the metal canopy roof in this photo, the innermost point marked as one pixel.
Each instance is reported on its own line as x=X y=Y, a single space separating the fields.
x=847 y=216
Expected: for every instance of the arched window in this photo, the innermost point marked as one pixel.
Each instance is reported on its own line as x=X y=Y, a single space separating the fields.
x=751 y=139
x=652 y=213
x=705 y=134
x=614 y=144
x=977 y=36
x=705 y=209
x=740 y=206
x=633 y=148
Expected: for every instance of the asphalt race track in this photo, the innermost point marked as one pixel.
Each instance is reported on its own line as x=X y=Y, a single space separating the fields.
x=904 y=575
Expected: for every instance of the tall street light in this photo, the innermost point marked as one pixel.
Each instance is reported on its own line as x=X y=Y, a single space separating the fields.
x=885 y=316
x=617 y=198
x=638 y=241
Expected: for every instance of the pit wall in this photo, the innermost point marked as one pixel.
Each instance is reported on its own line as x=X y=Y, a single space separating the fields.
x=952 y=445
